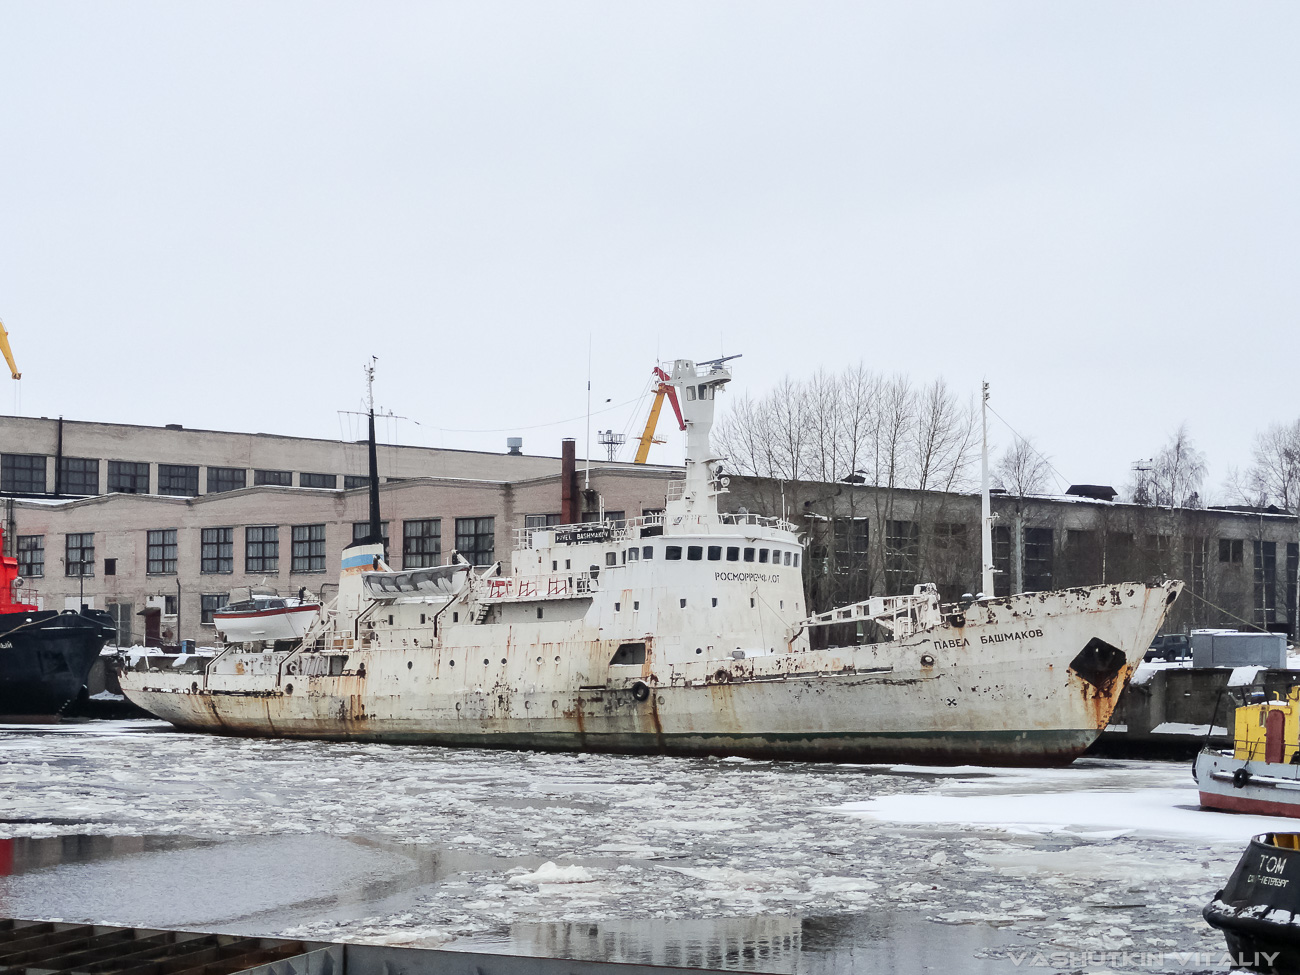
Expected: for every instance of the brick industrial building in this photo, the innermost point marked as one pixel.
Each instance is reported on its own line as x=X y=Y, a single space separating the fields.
x=159 y=524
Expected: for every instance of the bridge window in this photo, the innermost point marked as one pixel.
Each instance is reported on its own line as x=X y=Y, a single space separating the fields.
x=648 y=552
x=633 y=554
x=694 y=553
x=715 y=553
x=796 y=560
x=733 y=553
x=762 y=555
x=673 y=553
x=611 y=558
x=749 y=555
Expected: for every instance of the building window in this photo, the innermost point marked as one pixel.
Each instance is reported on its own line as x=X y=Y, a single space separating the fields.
x=31 y=556
x=541 y=521
x=1265 y=582
x=160 y=552
x=318 y=480
x=128 y=477
x=79 y=555
x=1001 y=561
x=851 y=536
x=422 y=543
x=1196 y=557
x=1231 y=550
x=22 y=473
x=351 y=481
x=209 y=602
x=178 y=480
x=169 y=605
x=262 y=549
x=476 y=539
x=226 y=479
x=79 y=475
x=308 y=548
x=282 y=478
x=1292 y=570
x=902 y=555
x=110 y=567
x=361 y=531
x=217 y=553
x=1038 y=559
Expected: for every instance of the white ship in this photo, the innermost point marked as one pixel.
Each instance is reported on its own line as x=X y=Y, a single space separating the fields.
x=682 y=633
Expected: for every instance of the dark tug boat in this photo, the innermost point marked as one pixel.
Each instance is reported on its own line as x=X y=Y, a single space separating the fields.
x=1258 y=910
x=45 y=655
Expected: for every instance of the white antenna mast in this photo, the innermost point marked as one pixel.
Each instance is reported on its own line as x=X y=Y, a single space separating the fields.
x=986 y=506
x=586 y=484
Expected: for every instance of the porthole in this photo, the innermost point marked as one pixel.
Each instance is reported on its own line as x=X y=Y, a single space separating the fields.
x=410 y=664
x=458 y=705
x=503 y=659
x=451 y=663
x=539 y=660
x=486 y=662
x=555 y=704
x=698 y=650
x=661 y=699
x=288 y=688
x=927 y=660
x=527 y=705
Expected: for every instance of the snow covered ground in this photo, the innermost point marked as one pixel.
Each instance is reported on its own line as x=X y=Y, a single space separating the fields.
x=765 y=865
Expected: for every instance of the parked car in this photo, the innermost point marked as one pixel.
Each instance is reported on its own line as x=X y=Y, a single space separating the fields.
x=1170 y=647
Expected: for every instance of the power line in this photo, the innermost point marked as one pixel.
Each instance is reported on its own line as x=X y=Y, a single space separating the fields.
x=1060 y=478
x=538 y=426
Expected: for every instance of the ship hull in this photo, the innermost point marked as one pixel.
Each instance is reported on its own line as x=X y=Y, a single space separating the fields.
x=45 y=658
x=1024 y=680
x=1237 y=785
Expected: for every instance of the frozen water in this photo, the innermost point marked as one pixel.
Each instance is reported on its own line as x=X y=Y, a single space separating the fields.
x=643 y=858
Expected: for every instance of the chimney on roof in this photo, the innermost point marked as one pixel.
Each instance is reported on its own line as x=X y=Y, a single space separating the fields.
x=515 y=446
x=568 y=482
x=1097 y=492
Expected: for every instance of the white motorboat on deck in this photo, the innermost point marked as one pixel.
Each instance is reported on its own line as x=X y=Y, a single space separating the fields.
x=266 y=618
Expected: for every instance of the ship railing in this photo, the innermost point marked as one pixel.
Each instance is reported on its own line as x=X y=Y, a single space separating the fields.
x=749 y=518
x=903 y=615
x=607 y=530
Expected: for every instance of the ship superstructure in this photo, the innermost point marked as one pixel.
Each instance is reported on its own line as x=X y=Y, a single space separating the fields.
x=684 y=632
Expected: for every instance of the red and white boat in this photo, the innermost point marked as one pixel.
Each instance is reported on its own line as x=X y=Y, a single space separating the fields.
x=266 y=618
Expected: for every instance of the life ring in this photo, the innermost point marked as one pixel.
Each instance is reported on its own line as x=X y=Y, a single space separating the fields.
x=640 y=691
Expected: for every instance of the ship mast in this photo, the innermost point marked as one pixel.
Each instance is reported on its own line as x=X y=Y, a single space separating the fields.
x=376 y=532
x=986 y=506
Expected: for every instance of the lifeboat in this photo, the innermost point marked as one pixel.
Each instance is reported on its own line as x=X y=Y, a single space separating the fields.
x=266 y=618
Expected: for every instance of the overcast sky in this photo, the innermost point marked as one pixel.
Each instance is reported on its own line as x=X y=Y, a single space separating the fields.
x=214 y=213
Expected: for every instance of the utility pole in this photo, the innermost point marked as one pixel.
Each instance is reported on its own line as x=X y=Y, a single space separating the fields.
x=986 y=505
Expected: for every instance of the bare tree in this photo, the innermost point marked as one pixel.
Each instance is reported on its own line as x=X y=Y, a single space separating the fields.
x=1173 y=479
x=1022 y=469
x=1274 y=474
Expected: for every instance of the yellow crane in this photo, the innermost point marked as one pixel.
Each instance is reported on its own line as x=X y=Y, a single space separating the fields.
x=8 y=353
x=647 y=438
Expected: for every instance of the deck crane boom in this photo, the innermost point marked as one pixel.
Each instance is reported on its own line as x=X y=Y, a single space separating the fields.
x=648 y=437
x=8 y=353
